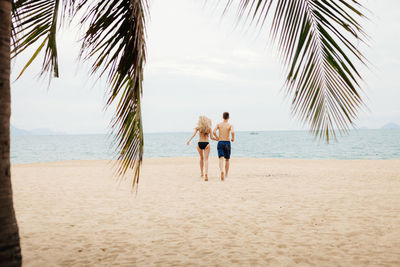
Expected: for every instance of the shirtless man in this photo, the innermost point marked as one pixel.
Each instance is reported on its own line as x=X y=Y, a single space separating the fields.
x=224 y=145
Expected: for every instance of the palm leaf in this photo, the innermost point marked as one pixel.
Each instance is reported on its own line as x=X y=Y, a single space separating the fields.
x=36 y=21
x=316 y=39
x=115 y=44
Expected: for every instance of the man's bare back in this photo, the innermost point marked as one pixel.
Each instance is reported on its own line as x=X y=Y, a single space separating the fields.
x=224 y=130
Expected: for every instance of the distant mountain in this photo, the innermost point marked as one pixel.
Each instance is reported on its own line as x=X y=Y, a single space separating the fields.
x=41 y=131
x=390 y=125
x=45 y=131
x=17 y=131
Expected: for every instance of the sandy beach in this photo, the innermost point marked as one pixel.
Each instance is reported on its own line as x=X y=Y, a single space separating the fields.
x=280 y=212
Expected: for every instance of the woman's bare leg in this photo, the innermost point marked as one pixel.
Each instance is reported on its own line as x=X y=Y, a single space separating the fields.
x=201 y=160
x=206 y=154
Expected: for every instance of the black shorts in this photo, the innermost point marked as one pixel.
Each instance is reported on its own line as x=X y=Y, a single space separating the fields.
x=224 y=149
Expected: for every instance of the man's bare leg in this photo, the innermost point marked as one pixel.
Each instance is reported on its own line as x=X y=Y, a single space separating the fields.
x=226 y=167
x=201 y=160
x=221 y=167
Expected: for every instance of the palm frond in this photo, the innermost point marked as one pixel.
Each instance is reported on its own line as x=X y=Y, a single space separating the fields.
x=36 y=21
x=317 y=41
x=115 y=43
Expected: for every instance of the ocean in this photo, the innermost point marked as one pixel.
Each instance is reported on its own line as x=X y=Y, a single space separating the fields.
x=360 y=144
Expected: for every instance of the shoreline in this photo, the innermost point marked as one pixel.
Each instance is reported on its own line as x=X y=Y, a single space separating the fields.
x=197 y=157
x=267 y=212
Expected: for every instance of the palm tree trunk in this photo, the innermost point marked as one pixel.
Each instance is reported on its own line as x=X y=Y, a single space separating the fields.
x=10 y=252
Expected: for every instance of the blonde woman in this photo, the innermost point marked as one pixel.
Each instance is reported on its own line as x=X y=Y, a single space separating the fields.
x=203 y=146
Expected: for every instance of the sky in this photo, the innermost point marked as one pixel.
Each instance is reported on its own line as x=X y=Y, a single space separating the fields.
x=199 y=63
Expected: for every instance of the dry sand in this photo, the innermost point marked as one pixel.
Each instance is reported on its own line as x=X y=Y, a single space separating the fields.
x=268 y=212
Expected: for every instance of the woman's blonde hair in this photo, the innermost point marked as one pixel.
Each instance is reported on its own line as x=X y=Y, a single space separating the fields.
x=204 y=124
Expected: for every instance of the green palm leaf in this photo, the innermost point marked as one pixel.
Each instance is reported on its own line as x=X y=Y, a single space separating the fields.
x=316 y=39
x=115 y=43
x=36 y=21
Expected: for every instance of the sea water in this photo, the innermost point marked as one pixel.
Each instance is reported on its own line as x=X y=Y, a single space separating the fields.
x=360 y=144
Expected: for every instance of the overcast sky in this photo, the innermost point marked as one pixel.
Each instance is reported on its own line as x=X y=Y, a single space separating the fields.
x=200 y=64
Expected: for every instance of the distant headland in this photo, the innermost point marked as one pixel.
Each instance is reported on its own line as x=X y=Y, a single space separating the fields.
x=390 y=125
x=41 y=131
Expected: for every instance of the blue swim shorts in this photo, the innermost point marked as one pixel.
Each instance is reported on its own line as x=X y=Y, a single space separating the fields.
x=224 y=149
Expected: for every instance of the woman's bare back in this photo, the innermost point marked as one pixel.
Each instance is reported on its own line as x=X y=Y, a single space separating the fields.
x=203 y=137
